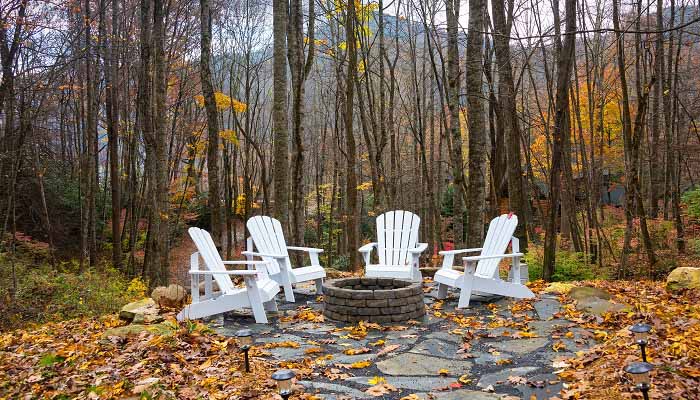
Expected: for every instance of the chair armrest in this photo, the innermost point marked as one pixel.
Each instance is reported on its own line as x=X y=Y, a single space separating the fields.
x=453 y=252
x=245 y=262
x=306 y=249
x=236 y=272
x=477 y=258
x=367 y=248
x=256 y=254
x=419 y=249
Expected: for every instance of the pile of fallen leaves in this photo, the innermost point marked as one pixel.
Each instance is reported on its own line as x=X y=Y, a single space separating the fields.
x=74 y=359
x=674 y=344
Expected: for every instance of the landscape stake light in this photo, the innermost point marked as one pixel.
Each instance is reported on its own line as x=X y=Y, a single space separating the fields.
x=641 y=335
x=245 y=338
x=284 y=378
x=640 y=376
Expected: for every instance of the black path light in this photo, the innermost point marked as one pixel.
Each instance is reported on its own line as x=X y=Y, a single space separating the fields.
x=284 y=377
x=640 y=376
x=641 y=336
x=245 y=338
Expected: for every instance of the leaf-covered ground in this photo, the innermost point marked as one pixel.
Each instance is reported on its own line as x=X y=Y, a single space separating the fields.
x=74 y=359
x=674 y=345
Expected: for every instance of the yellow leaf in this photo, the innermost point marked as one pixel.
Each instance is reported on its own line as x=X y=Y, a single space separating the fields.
x=376 y=380
x=443 y=371
x=354 y=352
x=465 y=380
x=600 y=335
x=379 y=342
x=526 y=334
x=313 y=350
x=361 y=364
x=558 y=346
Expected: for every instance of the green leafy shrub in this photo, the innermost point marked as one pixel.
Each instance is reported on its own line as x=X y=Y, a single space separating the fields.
x=691 y=199
x=569 y=265
x=694 y=246
x=45 y=293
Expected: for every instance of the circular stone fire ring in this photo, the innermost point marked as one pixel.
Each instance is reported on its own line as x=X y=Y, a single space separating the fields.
x=379 y=300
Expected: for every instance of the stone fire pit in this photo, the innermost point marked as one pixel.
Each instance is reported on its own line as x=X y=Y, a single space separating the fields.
x=373 y=299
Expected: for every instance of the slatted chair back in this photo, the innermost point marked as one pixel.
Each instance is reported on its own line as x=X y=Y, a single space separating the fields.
x=500 y=232
x=397 y=231
x=268 y=237
x=207 y=250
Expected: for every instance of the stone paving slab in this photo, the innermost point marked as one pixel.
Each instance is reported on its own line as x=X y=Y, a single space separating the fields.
x=426 y=346
x=418 y=364
x=436 y=347
x=501 y=377
x=335 y=389
x=521 y=346
x=419 y=383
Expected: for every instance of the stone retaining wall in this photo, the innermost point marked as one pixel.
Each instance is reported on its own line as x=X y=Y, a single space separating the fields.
x=379 y=300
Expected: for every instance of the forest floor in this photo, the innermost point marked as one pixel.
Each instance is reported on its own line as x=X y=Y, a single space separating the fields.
x=553 y=346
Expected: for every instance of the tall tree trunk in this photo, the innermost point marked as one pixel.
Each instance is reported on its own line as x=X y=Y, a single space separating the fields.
x=89 y=250
x=161 y=243
x=352 y=208
x=212 y=122
x=112 y=106
x=476 y=193
x=145 y=118
x=279 y=112
x=300 y=69
x=655 y=171
x=517 y=199
x=453 y=84
x=565 y=63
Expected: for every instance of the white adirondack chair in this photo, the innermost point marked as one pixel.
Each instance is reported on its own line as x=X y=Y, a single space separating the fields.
x=397 y=246
x=267 y=237
x=259 y=292
x=485 y=278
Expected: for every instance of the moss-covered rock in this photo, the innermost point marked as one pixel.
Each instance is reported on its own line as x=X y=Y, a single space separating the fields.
x=595 y=301
x=139 y=308
x=163 y=328
x=584 y=292
x=683 y=278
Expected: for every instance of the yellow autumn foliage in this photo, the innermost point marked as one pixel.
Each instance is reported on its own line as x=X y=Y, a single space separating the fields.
x=223 y=102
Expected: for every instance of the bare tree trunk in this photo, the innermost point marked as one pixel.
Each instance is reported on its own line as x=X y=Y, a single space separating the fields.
x=212 y=123
x=351 y=150
x=161 y=243
x=112 y=106
x=279 y=112
x=452 y=11
x=565 y=63
x=476 y=193
x=506 y=89
x=655 y=171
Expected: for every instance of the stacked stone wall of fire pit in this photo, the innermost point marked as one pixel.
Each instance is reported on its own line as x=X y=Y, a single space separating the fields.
x=373 y=299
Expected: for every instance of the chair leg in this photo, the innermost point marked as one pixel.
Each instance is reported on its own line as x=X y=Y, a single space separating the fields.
x=319 y=286
x=255 y=300
x=271 y=306
x=465 y=291
x=288 y=293
x=442 y=291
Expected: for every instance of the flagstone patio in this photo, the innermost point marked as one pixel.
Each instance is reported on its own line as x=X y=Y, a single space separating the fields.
x=498 y=350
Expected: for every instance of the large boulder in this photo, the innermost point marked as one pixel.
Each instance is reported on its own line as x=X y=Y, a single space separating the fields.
x=202 y=287
x=163 y=328
x=595 y=301
x=683 y=278
x=172 y=296
x=141 y=311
